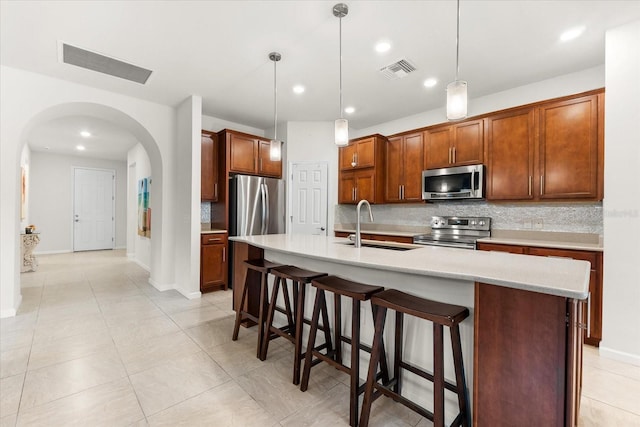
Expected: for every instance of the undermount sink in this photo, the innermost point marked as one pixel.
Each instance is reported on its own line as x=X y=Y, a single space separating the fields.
x=392 y=246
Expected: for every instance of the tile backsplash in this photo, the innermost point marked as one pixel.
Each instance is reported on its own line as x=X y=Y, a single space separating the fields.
x=205 y=212
x=568 y=217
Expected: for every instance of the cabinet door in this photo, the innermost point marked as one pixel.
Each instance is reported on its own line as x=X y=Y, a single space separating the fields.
x=413 y=165
x=347 y=157
x=243 y=154
x=569 y=149
x=437 y=147
x=365 y=153
x=213 y=266
x=207 y=170
x=394 y=170
x=266 y=166
x=510 y=156
x=469 y=143
x=346 y=188
x=365 y=185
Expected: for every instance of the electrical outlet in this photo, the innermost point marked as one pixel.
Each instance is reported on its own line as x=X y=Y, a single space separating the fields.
x=538 y=223
x=527 y=224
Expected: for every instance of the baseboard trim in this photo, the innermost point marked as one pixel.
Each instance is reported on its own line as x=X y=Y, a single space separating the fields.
x=143 y=266
x=65 y=251
x=190 y=295
x=621 y=356
x=158 y=286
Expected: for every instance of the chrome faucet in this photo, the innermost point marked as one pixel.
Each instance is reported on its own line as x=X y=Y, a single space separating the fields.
x=358 y=241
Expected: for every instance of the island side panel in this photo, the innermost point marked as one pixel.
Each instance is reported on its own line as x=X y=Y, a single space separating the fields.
x=521 y=351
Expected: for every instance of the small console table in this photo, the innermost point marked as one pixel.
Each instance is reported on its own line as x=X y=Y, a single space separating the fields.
x=29 y=243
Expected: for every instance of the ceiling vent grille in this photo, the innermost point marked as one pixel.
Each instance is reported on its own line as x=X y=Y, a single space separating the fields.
x=103 y=64
x=398 y=69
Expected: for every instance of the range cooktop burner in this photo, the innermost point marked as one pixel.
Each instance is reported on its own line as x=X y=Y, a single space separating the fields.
x=455 y=231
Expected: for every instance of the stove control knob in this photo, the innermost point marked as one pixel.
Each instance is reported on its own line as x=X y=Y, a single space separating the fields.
x=481 y=223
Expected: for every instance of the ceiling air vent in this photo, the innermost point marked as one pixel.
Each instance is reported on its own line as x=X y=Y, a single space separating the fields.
x=103 y=64
x=398 y=70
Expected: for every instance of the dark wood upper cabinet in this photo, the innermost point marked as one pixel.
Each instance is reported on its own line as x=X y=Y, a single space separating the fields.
x=362 y=170
x=360 y=153
x=454 y=145
x=209 y=166
x=510 y=155
x=249 y=154
x=404 y=165
x=266 y=166
x=568 y=164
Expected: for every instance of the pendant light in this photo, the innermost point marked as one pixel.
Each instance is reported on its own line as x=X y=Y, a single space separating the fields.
x=275 y=150
x=457 y=90
x=341 y=10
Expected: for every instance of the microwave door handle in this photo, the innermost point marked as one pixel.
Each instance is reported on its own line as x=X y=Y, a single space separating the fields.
x=473 y=182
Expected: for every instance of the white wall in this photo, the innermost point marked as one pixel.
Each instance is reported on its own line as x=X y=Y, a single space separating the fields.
x=51 y=201
x=568 y=84
x=313 y=142
x=139 y=166
x=621 y=302
x=187 y=206
x=28 y=99
x=215 y=124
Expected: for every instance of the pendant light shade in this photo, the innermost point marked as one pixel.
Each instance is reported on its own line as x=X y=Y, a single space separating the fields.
x=341 y=10
x=457 y=90
x=275 y=147
x=457 y=100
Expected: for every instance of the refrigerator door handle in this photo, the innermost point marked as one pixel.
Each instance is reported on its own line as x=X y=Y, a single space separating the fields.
x=265 y=209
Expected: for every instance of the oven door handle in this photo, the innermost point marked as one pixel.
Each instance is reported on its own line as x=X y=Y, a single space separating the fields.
x=446 y=244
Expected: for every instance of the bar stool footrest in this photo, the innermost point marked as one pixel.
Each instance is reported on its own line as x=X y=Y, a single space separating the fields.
x=426 y=375
x=403 y=400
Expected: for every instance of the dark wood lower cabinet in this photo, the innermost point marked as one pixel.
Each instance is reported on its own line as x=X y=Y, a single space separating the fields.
x=527 y=358
x=213 y=262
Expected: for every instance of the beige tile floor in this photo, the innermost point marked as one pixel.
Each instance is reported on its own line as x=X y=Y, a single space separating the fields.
x=94 y=344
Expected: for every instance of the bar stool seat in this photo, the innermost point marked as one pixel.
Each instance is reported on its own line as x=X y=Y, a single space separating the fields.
x=358 y=292
x=262 y=267
x=441 y=314
x=292 y=331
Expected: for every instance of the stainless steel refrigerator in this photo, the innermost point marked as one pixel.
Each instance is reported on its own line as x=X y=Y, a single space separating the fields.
x=256 y=206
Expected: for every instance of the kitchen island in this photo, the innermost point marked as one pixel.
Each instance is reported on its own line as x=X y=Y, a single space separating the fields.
x=522 y=363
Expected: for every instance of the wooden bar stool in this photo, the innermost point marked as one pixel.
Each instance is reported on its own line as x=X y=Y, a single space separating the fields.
x=441 y=315
x=263 y=267
x=295 y=323
x=357 y=292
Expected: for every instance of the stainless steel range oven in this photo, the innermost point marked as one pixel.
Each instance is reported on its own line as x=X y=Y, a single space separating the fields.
x=455 y=231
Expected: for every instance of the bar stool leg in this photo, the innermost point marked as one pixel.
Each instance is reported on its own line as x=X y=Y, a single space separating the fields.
x=270 y=313
x=373 y=365
x=355 y=362
x=397 y=373
x=263 y=307
x=463 y=402
x=438 y=376
x=312 y=339
x=236 y=326
x=299 y=294
x=337 y=331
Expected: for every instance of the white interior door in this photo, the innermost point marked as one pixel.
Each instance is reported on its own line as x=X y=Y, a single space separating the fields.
x=93 y=209
x=309 y=198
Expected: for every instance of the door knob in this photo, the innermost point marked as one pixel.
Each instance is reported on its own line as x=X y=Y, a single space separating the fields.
x=322 y=228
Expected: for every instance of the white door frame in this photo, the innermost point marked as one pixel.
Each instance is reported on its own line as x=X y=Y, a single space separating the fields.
x=73 y=199
x=290 y=165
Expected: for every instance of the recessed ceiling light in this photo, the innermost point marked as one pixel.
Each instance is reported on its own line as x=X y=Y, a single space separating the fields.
x=80 y=147
x=349 y=110
x=383 y=47
x=85 y=134
x=572 y=34
x=430 y=82
x=298 y=89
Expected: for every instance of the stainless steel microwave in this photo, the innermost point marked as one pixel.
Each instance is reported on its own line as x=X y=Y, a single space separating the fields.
x=456 y=183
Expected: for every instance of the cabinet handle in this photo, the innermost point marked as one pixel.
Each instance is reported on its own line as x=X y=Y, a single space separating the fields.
x=450 y=156
x=400 y=192
x=215 y=190
x=260 y=163
x=214 y=240
x=530 y=183
x=454 y=154
x=355 y=191
x=353 y=194
x=541 y=185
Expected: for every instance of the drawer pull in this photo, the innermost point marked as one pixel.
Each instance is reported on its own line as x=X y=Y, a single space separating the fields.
x=214 y=240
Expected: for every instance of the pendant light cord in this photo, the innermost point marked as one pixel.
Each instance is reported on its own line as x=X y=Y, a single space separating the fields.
x=275 y=102
x=458 y=41
x=340 y=43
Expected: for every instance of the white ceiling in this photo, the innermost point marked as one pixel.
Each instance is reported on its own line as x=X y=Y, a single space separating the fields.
x=219 y=50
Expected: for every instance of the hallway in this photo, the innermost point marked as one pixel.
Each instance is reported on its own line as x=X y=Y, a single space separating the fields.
x=94 y=344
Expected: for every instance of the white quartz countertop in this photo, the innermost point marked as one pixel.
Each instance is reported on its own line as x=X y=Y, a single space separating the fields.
x=554 y=276
x=212 y=231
